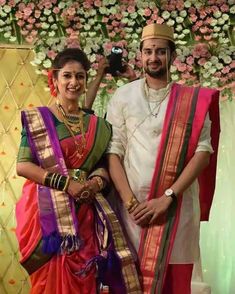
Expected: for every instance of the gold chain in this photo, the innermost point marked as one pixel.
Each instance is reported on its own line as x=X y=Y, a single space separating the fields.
x=158 y=104
x=73 y=128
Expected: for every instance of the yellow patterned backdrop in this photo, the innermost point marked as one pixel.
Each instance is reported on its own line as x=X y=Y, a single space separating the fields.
x=20 y=87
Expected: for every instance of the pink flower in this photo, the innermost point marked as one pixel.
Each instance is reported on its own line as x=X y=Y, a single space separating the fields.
x=203 y=30
x=193 y=17
x=181 y=67
x=20 y=23
x=97 y=3
x=31 y=20
x=207 y=37
x=51 y=54
x=37 y=13
x=201 y=61
x=2 y=2
x=147 y=12
x=131 y=8
x=225 y=70
x=27 y=12
x=56 y=10
x=29 y=39
x=224 y=8
x=190 y=60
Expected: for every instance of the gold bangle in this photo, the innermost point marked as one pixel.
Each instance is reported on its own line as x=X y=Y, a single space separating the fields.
x=44 y=178
x=100 y=182
x=66 y=184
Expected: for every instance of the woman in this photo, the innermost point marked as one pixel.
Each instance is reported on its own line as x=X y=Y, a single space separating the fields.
x=69 y=237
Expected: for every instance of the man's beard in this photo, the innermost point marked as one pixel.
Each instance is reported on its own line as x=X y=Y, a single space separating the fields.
x=155 y=73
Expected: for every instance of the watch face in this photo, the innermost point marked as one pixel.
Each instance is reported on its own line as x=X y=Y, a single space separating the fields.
x=169 y=192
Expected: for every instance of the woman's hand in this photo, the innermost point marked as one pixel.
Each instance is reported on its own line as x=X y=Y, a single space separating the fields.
x=84 y=193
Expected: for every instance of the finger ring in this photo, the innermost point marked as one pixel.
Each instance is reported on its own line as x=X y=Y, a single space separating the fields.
x=85 y=195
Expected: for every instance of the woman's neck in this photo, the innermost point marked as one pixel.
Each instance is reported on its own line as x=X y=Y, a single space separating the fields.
x=70 y=107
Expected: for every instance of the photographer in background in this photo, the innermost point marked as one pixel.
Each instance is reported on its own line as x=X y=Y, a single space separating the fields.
x=104 y=67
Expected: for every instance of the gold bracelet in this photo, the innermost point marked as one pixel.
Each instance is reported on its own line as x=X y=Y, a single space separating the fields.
x=100 y=182
x=131 y=203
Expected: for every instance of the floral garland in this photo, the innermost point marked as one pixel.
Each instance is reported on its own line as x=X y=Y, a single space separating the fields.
x=204 y=34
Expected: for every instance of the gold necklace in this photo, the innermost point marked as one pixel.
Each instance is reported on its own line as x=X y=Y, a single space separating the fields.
x=74 y=124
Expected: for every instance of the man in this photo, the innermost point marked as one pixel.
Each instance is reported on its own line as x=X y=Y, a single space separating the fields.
x=162 y=141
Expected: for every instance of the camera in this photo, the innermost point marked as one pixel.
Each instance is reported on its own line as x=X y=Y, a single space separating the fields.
x=115 y=61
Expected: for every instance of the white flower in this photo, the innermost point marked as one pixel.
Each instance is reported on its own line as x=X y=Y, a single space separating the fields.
x=217 y=29
x=113 y=10
x=133 y=15
x=41 y=55
x=180 y=42
x=206 y=74
x=12 y=39
x=7 y=8
x=174 y=14
x=51 y=19
x=7 y=35
x=206 y=83
x=92 y=58
x=227 y=59
x=36 y=62
x=87 y=50
x=207 y=65
x=166 y=14
x=51 y=34
x=179 y=19
x=1 y=23
x=170 y=22
x=47 y=11
x=173 y=68
x=225 y=27
x=217 y=14
x=61 y=5
x=47 y=63
x=187 y=4
x=87 y=27
x=225 y=16
x=174 y=77
x=186 y=31
x=103 y=10
x=214 y=60
x=221 y=21
x=92 y=34
x=120 y=83
x=183 y=13
x=219 y=65
x=45 y=26
x=214 y=22
x=232 y=9
x=179 y=28
x=125 y=20
x=92 y=72
x=181 y=36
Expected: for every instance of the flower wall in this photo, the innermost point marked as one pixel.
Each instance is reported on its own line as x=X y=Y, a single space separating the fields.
x=204 y=34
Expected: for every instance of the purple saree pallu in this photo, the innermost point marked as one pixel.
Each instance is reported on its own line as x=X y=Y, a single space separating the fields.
x=59 y=224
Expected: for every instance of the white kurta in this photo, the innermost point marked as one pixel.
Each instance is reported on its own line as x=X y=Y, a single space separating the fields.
x=136 y=138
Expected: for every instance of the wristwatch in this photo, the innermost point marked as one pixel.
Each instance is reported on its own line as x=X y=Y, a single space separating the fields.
x=170 y=193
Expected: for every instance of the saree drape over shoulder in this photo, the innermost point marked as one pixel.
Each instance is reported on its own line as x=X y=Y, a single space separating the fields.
x=69 y=248
x=154 y=151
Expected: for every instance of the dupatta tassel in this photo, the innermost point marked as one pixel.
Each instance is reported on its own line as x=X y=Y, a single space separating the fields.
x=54 y=243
